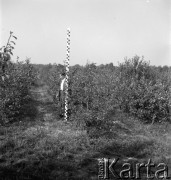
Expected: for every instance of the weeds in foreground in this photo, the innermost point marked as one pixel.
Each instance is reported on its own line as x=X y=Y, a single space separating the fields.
x=58 y=150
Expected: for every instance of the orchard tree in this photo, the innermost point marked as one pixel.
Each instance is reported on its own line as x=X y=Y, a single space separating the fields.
x=5 y=55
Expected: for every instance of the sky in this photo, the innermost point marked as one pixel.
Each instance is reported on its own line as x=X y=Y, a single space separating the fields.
x=102 y=31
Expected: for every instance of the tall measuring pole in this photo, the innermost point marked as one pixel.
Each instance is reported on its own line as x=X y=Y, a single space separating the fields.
x=67 y=73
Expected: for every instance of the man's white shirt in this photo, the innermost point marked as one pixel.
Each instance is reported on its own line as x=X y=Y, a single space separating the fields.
x=62 y=84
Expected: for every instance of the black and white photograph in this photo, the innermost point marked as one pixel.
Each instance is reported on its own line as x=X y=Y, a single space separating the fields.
x=85 y=89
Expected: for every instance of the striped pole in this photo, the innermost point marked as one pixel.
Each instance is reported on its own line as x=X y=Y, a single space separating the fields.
x=67 y=74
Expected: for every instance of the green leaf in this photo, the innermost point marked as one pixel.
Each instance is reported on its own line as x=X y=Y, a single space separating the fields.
x=10 y=52
x=15 y=37
x=11 y=47
x=12 y=42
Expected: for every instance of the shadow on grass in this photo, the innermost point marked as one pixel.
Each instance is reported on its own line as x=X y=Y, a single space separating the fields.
x=137 y=149
x=30 y=110
x=61 y=157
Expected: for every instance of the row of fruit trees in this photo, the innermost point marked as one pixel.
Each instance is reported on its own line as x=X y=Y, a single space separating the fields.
x=133 y=87
x=16 y=80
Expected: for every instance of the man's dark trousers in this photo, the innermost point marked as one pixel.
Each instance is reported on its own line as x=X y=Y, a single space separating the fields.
x=62 y=101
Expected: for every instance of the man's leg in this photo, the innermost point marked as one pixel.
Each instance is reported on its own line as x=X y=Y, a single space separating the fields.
x=62 y=103
x=59 y=95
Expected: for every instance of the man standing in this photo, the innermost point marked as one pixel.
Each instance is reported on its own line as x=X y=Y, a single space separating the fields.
x=62 y=93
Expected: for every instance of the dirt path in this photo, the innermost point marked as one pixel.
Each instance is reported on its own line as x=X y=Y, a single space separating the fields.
x=45 y=104
x=47 y=112
x=49 y=116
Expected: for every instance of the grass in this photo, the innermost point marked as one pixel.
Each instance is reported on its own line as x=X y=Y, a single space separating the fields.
x=49 y=148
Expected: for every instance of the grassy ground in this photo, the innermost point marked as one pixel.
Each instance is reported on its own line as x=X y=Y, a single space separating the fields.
x=46 y=147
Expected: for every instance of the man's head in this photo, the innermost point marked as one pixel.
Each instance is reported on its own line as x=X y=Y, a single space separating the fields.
x=62 y=75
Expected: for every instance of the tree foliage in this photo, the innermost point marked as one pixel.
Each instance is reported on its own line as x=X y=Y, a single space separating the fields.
x=15 y=83
x=133 y=87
